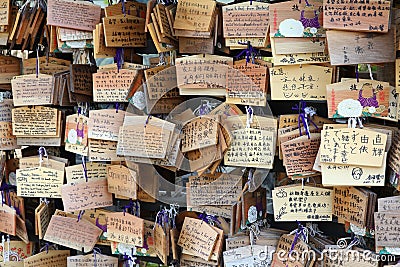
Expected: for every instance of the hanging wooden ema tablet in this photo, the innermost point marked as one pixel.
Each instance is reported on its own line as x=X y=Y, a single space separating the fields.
x=49 y=162
x=369 y=16
x=192 y=16
x=10 y=67
x=20 y=251
x=202 y=74
x=81 y=78
x=74 y=15
x=94 y=171
x=71 y=38
x=8 y=140
x=100 y=49
x=32 y=89
x=66 y=35
x=8 y=220
x=249 y=19
x=96 y=217
x=72 y=233
x=397 y=75
x=292 y=132
x=48 y=65
x=296 y=19
x=306 y=82
x=161 y=243
x=55 y=258
x=200 y=132
x=347 y=47
x=393 y=110
x=299 y=155
x=189 y=45
x=102 y=150
x=206 y=189
x=98 y=260
x=112 y=85
x=160 y=80
x=394 y=153
x=353 y=175
x=292 y=203
x=285 y=247
x=36 y=121
x=248 y=255
x=5 y=13
x=172 y=159
x=39 y=182
x=6 y=106
x=298 y=59
x=146 y=142
x=104 y=124
x=13 y=200
x=251 y=148
x=125 y=228
x=149 y=251
x=122 y=181
x=162 y=18
x=241 y=43
x=353 y=146
x=287 y=120
x=355 y=202
x=76 y=134
x=246 y=84
x=143 y=136
x=20 y=229
x=160 y=30
x=389 y=204
x=216 y=253
x=386 y=225
x=89 y=195
x=42 y=218
x=162 y=44
x=27 y=26
x=132 y=8
x=293 y=45
x=124 y=31
x=352 y=98
x=197 y=238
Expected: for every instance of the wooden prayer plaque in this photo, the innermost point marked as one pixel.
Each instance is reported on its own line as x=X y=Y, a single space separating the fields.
x=369 y=16
x=124 y=31
x=72 y=14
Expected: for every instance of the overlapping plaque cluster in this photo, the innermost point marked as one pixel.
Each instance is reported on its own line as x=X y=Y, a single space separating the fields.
x=199 y=133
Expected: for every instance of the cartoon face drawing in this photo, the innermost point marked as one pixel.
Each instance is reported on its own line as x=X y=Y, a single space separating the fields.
x=357 y=173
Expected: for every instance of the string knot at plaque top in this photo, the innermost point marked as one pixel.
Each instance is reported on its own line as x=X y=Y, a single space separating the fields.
x=305 y=117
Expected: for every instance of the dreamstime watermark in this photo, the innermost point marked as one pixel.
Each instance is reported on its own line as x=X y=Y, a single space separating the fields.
x=331 y=255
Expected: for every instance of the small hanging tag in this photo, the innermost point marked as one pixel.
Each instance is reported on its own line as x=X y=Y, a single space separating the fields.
x=370 y=71
x=204 y=108
x=173 y=211
x=119 y=58
x=352 y=122
x=84 y=169
x=80 y=215
x=42 y=152
x=249 y=114
x=45 y=248
x=96 y=251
